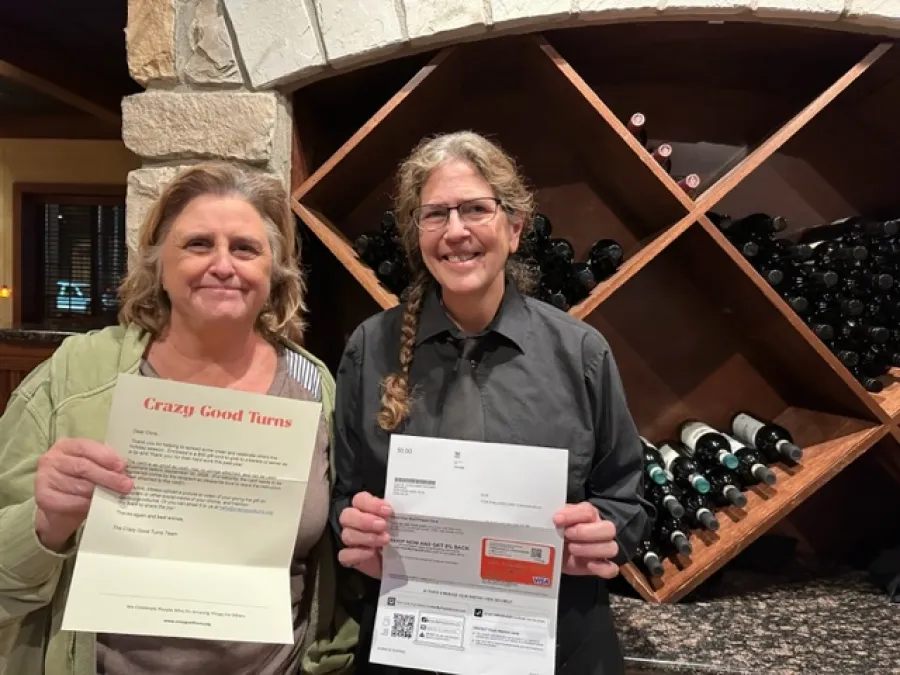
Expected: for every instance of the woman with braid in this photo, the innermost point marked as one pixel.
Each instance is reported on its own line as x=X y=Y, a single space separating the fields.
x=537 y=376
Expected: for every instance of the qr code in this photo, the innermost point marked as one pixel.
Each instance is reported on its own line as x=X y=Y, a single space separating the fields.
x=537 y=554
x=403 y=626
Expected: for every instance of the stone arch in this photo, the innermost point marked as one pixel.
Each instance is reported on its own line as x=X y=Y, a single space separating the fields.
x=216 y=71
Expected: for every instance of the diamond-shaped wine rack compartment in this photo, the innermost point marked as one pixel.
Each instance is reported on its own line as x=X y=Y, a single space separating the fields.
x=696 y=330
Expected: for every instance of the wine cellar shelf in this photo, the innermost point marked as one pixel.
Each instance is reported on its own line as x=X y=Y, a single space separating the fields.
x=697 y=330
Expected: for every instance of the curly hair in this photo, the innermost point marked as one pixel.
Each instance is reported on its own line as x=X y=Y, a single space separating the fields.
x=503 y=175
x=142 y=298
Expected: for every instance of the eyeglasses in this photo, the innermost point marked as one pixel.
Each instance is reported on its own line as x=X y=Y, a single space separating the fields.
x=433 y=217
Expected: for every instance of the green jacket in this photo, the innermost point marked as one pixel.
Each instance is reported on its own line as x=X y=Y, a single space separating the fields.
x=69 y=395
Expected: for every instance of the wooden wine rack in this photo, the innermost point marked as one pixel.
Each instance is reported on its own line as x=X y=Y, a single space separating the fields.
x=694 y=329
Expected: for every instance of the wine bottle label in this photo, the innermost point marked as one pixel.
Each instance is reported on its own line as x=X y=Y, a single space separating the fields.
x=746 y=427
x=668 y=454
x=734 y=443
x=692 y=432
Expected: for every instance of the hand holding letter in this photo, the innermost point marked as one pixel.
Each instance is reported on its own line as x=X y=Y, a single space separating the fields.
x=64 y=484
x=590 y=543
x=364 y=533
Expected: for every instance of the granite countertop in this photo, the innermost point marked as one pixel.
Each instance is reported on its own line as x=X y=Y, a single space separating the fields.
x=840 y=624
x=37 y=334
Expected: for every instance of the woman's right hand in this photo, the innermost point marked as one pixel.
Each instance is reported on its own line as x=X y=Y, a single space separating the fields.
x=364 y=533
x=64 y=483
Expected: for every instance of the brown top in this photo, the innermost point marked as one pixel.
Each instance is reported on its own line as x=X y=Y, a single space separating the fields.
x=137 y=655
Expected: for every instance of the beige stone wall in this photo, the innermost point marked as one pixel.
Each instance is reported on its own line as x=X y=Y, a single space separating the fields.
x=216 y=70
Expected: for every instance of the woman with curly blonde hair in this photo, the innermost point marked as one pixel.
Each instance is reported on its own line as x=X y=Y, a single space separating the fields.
x=213 y=297
x=469 y=356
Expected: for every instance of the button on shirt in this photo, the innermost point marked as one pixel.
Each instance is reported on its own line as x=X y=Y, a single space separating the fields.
x=545 y=378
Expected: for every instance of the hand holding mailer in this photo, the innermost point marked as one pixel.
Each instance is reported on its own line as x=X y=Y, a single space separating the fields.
x=201 y=547
x=471 y=576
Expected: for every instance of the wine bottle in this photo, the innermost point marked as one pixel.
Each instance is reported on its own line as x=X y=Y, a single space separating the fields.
x=689 y=183
x=648 y=558
x=637 y=125
x=562 y=284
x=585 y=276
x=663 y=154
x=698 y=513
x=760 y=226
x=666 y=497
x=833 y=254
x=751 y=469
x=724 y=488
x=653 y=463
x=884 y=356
x=556 y=298
x=372 y=248
x=542 y=227
x=683 y=470
x=869 y=383
x=721 y=220
x=771 y=439
x=604 y=258
x=389 y=228
x=670 y=534
x=534 y=240
x=847 y=357
x=394 y=274
x=705 y=444
x=853 y=227
x=823 y=331
x=832 y=301
x=853 y=329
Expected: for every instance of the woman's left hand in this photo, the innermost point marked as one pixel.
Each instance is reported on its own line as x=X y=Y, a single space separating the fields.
x=590 y=543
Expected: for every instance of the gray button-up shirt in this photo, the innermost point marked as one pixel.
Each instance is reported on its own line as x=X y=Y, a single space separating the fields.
x=546 y=379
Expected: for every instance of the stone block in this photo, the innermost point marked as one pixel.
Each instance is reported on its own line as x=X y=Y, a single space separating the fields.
x=703 y=7
x=879 y=14
x=150 y=40
x=277 y=40
x=353 y=30
x=611 y=10
x=812 y=10
x=440 y=20
x=144 y=186
x=516 y=13
x=250 y=127
x=204 y=51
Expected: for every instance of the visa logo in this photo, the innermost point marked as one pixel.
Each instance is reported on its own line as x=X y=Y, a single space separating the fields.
x=540 y=581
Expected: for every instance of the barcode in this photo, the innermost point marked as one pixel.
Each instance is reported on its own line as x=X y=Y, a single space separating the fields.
x=537 y=554
x=415 y=481
x=403 y=626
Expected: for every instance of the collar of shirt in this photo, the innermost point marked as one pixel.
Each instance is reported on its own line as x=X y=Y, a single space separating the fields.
x=512 y=320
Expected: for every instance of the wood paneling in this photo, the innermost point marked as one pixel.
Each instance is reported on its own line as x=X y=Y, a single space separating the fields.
x=17 y=359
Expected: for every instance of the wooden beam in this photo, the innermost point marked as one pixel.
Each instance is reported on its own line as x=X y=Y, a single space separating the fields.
x=99 y=75
x=39 y=84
